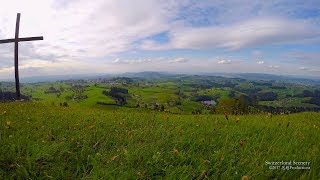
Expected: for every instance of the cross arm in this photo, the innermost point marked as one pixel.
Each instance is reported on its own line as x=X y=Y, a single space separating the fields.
x=6 y=41
x=31 y=38
x=21 y=39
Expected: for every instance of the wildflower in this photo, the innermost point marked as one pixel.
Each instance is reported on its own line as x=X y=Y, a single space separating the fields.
x=114 y=158
x=139 y=161
x=226 y=115
x=139 y=174
x=175 y=151
x=12 y=166
x=245 y=178
x=8 y=124
x=204 y=174
x=243 y=141
x=237 y=120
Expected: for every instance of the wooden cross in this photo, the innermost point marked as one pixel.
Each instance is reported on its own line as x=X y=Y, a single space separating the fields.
x=16 y=41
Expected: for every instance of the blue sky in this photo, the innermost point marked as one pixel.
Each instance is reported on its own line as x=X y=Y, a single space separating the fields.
x=188 y=36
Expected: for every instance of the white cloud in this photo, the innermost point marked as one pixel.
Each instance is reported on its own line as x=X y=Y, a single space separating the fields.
x=80 y=34
x=309 y=69
x=86 y=29
x=273 y=66
x=260 y=62
x=224 y=62
x=250 y=33
x=178 y=60
x=131 y=61
x=304 y=68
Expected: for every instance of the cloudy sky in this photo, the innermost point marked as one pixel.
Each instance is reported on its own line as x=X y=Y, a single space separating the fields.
x=187 y=36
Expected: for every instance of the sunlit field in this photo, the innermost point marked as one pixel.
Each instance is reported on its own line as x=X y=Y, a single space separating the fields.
x=42 y=141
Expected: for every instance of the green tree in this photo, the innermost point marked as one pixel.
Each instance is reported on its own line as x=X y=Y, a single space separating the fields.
x=227 y=105
x=237 y=105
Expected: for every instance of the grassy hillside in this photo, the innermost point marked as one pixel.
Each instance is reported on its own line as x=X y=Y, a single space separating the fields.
x=42 y=141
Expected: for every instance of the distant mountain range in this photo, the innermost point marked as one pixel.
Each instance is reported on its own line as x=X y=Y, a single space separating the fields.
x=155 y=75
x=247 y=76
x=289 y=79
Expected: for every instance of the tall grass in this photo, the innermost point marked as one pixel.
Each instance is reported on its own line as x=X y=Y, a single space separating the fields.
x=45 y=141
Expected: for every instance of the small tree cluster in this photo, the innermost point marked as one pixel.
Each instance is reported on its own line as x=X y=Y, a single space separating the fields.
x=118 y=94
x=238 y=105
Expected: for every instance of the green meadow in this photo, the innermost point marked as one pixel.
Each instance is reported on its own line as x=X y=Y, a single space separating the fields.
x=160 y=128
x=40 y=140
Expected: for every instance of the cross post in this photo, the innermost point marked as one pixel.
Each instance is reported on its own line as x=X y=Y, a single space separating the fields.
x=16 y=41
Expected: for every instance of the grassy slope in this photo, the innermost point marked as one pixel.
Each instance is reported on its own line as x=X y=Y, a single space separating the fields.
x=48 y=141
